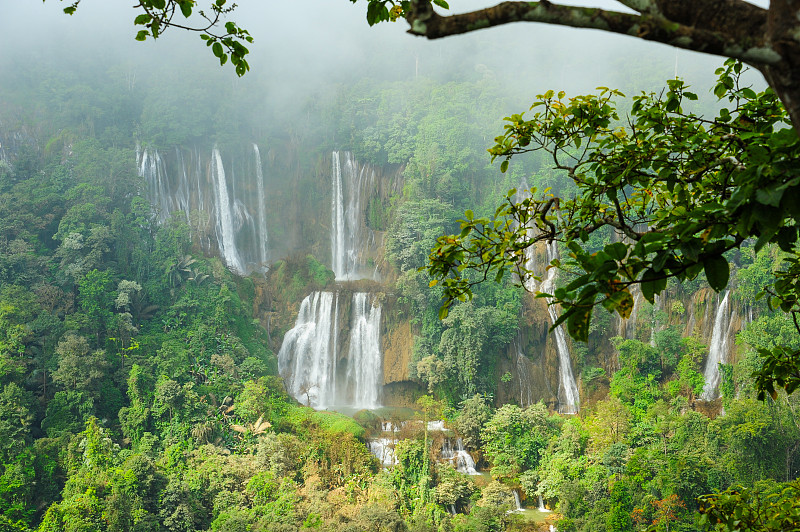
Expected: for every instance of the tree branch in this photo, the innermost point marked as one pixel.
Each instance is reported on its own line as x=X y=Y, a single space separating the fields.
x=738 y=39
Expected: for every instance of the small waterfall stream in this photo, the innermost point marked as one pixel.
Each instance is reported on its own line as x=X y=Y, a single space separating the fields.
x=721 y=344
x=524 y=377
x=517 y=501
x=458 y=456
x=261 y=235
x=568 y=395
x=383 y=450
x=542 y=508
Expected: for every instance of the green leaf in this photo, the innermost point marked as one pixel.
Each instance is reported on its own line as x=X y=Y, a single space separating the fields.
x=142 y=35
x=216 y=48
x=142 y=19
x=578 y=323
x=616 y=251
x=717 y=272
x=186 y=8
x=652 y=284
x=621 y=301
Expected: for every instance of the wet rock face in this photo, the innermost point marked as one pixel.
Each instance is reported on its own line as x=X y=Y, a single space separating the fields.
x=397 y=344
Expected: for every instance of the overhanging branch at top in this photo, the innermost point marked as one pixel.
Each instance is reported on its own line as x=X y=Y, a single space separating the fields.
x=720 y=27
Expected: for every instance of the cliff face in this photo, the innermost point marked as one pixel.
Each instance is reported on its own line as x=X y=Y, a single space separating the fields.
x=325 y=219
x=252 y=207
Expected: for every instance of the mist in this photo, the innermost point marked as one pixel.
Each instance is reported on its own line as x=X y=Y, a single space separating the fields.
x=305 y=49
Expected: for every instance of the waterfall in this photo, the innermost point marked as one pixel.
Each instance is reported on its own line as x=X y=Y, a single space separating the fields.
x=542 y=508
x=225 y=208
x=152 y=169
x=225 y=230
x=436 y=426
x=309 y=356
x=568 y=396
x=364 y=367
x=337 y=220
x=529 y=282
x=306 y=359
x=523 y=376
x=261 y=235
x=721 y=343
x=517 y=501
x=383 y=450
x=626 y=328
x=458 y=456
x=349 y=234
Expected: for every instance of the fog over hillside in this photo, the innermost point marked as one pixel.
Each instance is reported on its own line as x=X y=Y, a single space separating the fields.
x=304 y=47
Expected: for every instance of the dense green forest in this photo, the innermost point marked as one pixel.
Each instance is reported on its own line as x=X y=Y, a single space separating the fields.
x=139 y=375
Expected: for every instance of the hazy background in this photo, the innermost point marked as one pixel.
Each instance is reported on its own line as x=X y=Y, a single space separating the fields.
x=305 y=48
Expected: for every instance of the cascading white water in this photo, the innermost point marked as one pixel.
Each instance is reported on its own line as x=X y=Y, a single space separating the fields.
x=349 y=235
x=529 y=282
x=306 y=360
x=151 y=168
x=225 y=230
x=383 y=450
x=626 y=328
x=517 y=502
x=364 y=367
x=721 y=343
x=568 y=396
x=542 y=508
x=337 y=219
x=523 y=376
x=225 y=210
x=309 y=357
x=458 y=456
x=261 y=235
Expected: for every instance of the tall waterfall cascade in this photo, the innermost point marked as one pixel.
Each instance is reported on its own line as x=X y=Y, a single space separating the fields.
x=529 y=282
x=721 y=343
x=350 y=237
x=226 y=211
x=307 y=358
x=262 y=215
x=364 y=369
x=626 y=328
x=225 y=230
x=310 y=359
x=568 y=395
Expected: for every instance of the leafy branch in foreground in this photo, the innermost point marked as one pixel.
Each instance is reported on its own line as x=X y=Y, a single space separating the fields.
x=158 y=15
x=679 y=191
x=740 y=509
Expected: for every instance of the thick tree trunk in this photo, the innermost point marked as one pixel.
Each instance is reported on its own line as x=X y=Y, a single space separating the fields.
x=783 y=36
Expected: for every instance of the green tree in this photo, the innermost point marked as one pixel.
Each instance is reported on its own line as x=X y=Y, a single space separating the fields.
x=515 y=438
x=619 y=517
x=663 y=172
